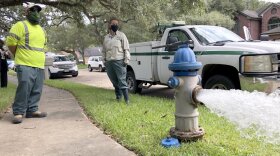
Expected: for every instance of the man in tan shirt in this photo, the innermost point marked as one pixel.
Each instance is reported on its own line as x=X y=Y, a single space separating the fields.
x=116 y=56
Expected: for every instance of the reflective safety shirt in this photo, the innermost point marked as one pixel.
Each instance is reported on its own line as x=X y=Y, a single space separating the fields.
x=30 y=41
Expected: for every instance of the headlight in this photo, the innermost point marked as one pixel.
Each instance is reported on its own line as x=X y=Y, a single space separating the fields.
x=55 y=66
x=275 y=63
x=259 y=65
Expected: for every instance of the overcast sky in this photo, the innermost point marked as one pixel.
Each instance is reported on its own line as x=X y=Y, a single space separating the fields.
x=272 y=1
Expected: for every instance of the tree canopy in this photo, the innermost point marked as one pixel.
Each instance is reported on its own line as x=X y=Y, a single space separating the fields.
x=77 y=24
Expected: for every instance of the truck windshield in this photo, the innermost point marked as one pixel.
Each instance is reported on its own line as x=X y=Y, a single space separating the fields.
x=61 y=58
x=213 y=34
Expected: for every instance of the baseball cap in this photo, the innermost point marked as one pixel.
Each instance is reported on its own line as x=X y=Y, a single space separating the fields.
x=29 y=5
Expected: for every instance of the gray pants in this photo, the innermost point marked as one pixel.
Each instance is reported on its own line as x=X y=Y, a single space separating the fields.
x=29 y=89
x=116 y=71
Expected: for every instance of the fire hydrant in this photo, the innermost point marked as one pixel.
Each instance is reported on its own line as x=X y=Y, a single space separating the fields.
x=185 y=80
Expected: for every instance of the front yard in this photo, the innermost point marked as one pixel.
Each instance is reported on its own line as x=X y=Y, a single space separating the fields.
x=142 y=125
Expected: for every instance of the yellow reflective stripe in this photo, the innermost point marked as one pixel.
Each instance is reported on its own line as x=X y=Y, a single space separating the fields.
x=26 y=34
x=14 y=36
x=31 y=48
x=27 y=46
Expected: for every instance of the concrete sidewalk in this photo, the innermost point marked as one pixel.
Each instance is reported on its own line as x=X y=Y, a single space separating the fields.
x=66 y=131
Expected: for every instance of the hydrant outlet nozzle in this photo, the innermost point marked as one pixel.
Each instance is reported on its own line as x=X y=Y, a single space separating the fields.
x=173 y=82
x=195 y=92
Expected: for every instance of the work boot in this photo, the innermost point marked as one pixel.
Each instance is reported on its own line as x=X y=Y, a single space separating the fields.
x=125 y=94
x=17 y=119
x=36 y=114
x=118 y=93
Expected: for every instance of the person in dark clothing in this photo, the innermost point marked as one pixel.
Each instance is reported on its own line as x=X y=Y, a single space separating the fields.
x=3 y=65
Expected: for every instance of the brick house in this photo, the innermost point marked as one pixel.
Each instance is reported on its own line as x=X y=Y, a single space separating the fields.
x=259 y=21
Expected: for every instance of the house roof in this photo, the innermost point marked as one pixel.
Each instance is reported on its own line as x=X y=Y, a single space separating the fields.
x=258 y=13
x=250 y=13
x=272 y=31
x=262 y=9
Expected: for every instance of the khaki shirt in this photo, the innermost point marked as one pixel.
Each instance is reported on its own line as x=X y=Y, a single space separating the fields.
x=115 y=47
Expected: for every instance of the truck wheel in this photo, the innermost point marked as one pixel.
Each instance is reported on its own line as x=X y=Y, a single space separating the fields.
x=100 y=68
x=89 y=68
x=132 y=83
x=50 y=75
x=219 y=82
x=75 y=75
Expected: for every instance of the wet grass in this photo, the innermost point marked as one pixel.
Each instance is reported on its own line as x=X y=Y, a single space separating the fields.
x=142 y=125
x=248 y=85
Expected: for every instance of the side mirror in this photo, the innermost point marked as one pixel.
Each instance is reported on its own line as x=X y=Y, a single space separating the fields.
x=170 y=40
x=264 y=38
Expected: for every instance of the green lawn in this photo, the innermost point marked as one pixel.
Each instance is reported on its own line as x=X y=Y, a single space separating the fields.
x=6 y=97
x=142 y=125
x=248 y=85
x=82 y=66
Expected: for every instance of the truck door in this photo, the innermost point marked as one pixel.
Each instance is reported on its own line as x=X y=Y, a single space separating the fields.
x=166 y=57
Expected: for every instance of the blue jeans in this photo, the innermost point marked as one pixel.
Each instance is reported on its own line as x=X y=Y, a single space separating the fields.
x=29 y=89
x=116 y=71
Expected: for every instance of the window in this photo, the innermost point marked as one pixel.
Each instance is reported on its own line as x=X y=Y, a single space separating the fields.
x=211 y=34
x=60 y=58
x=273 y=22
x=176 y=36
x=273 y=11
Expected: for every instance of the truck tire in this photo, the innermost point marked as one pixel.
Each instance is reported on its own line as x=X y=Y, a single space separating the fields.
x=132 y=83
x=75 y=75
x=219 y=82
x=89 y=68
x=50 y=75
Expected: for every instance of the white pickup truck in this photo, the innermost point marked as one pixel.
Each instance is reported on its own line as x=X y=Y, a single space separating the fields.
x=226 y=58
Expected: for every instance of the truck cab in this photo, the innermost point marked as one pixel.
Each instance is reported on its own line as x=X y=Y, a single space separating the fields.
x=226 y=58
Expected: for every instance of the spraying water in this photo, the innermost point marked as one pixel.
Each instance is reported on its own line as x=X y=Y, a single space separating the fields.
x=247 y=110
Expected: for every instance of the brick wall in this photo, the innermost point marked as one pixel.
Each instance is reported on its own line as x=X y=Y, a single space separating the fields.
x=242 y=21
x=253 y=26
x=268 y=15
x=256 y=27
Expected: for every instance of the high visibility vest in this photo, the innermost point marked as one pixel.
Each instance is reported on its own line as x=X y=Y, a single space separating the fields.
x=30 y=41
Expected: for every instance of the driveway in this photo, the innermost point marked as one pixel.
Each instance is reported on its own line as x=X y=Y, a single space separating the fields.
x=100 y=79
x=94 y=78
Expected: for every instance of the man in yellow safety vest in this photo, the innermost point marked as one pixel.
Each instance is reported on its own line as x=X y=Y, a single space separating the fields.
x=26 y=40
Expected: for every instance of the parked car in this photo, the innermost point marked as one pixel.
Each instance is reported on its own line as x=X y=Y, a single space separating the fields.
x=95 y=62
x=62 y=66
